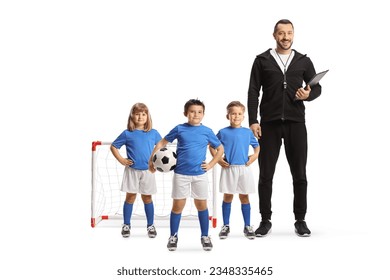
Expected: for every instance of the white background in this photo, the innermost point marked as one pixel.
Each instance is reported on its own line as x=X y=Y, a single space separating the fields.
x=71 y=70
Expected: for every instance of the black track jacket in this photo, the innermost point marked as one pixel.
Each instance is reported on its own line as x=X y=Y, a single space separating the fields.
x=278 y=102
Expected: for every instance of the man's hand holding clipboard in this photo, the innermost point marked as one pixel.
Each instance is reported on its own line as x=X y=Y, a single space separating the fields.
x=303 y=93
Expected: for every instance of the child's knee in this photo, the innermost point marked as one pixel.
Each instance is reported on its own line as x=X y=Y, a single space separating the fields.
x=244 y=198
x=130 y=197
x=200 y=204
x=228 y=198
x=146 y=198
x=178 y=205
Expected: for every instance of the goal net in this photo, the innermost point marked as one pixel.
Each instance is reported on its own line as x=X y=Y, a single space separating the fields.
x=107 y=198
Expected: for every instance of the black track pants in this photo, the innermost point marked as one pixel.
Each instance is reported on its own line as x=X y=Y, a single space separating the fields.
x=294 y=137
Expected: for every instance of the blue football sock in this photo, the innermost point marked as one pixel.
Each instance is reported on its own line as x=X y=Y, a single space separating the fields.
x=174 y=223
x=127 y=211
x=149 y=212
x=204 y=222
x=226 y=208
x=246 y=213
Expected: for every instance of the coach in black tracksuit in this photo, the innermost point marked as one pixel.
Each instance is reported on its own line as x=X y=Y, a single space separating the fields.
x=280 y=73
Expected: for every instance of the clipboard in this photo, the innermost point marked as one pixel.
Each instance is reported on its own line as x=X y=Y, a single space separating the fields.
x=317 y=77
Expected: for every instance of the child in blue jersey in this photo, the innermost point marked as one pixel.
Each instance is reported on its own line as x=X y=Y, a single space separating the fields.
x=190 y=175
x=139 y=139
x=236 y=175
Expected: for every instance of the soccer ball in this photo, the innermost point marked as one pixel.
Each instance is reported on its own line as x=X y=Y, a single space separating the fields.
x=164 y=160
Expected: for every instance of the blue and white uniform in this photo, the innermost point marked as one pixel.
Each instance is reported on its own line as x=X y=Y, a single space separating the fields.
x=139 y=146
x=237 y=178
x=192 y=143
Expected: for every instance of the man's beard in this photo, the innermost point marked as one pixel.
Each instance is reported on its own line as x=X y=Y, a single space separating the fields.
x=285 y=48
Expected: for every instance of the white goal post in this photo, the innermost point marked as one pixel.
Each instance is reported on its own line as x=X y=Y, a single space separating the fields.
x=107 y=199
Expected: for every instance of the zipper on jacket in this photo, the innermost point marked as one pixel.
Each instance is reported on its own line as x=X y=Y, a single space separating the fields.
x=284 y=93
x=293 y=61
x=285 y=86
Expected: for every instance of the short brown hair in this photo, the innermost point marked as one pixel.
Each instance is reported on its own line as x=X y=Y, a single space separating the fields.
x=282 y=21
x=193 y=102
x=234 y=104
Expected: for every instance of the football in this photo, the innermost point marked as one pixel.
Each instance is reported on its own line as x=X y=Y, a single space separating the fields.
x=164 y=160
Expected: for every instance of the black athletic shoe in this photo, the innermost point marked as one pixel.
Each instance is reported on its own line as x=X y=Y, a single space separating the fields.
x=301 y=229
x=126 y=230
x=172 y=243
x=249 y=232
x=206 y=243
x=264 y=228
x=223 y=234
x=152 y=233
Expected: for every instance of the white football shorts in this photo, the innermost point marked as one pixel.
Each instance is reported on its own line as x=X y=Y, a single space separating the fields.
x=183 y=184
x=138 y=181
x=237 y=179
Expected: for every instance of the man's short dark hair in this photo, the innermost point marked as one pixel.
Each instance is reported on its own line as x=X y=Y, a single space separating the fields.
x=282 y=21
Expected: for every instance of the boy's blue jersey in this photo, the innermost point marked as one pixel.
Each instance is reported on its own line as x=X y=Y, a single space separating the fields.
x=192 y=143
x=236 y=142
x=139 y=146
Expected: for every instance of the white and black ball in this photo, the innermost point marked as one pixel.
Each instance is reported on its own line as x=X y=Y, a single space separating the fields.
x=164 y=160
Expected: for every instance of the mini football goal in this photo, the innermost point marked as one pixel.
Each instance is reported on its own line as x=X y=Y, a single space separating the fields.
x=107 y=199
